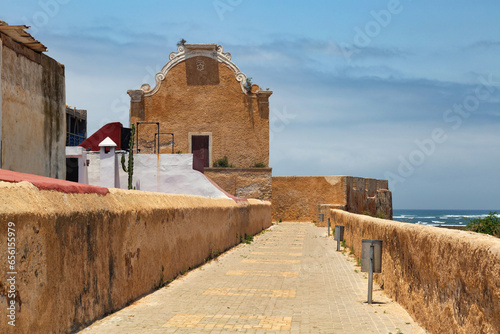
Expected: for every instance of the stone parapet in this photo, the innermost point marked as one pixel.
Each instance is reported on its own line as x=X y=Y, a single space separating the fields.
x=448 y=280
x=82 y=256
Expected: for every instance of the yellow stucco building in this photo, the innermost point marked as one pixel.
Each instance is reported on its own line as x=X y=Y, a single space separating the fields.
x=203 y=98
x=203 y=104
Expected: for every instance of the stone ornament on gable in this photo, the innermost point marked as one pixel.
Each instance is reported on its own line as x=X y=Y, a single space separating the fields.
x=187 y=51
x=180 y=50
x=221 y=51
x=200 y=65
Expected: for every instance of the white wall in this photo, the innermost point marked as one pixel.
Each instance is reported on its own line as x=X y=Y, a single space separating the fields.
x=166 y=173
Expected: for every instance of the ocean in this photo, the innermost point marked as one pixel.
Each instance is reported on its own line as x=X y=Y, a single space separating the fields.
x=439 y=217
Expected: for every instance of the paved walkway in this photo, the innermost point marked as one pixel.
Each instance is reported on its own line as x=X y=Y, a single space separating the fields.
x=290 y=279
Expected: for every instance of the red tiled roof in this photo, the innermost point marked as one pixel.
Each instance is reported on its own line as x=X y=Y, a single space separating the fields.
x=111 y=130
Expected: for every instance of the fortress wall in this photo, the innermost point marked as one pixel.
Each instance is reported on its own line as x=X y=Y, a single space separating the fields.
x=302 y=198
x=82 y=256
x=296 y=198
x=448 y=280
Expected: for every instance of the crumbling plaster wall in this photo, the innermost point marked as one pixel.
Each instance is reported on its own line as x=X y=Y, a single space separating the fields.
x=448 y=280
x=33 y=111
x=81 y=256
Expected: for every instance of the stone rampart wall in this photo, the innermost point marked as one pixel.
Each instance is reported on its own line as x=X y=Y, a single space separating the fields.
x=448 y=280
x=302 y=198
x=81 y=256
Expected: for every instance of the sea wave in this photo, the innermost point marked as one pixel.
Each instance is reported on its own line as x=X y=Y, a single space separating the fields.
x=404 y=216
x=440 y=217
x=423 y=222
x=463 y=216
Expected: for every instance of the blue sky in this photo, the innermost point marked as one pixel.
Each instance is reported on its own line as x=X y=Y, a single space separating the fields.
x=402 y=90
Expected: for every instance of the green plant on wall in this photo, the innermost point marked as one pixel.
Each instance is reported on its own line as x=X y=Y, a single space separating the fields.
x=487 y=225
x=259 y=165
x=222 y=162
x=247 y=239
x=130 y=168
x=248 y=84
x=380 y=214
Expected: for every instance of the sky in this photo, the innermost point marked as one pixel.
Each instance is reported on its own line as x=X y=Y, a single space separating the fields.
x=402 y=90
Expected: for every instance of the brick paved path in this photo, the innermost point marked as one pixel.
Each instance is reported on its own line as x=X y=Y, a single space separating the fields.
x=290 y=279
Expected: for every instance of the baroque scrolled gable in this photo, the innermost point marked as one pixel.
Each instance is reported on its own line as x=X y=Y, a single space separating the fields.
x=188 y=51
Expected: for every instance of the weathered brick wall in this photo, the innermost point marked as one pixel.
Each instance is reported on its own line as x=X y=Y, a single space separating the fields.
x=81 y=256
x=448 y=280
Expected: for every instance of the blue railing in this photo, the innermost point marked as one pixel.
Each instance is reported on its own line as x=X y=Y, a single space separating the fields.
x=73 y=139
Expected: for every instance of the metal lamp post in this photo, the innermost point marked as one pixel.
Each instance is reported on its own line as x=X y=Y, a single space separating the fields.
x=339 y=235
x=371 y=261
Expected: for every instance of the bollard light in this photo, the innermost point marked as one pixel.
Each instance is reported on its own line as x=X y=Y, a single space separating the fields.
x=328 y=227
x=339 y=235
x=371 y=261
